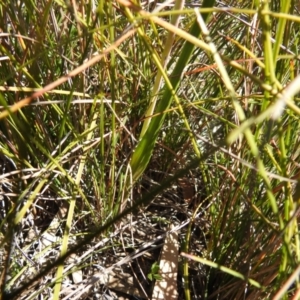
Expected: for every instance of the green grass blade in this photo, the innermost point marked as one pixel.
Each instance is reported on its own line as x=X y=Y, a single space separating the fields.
x=221 y=268
x=143 y=151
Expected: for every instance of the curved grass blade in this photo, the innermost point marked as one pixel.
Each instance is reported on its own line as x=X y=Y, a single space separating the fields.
x=143 y=151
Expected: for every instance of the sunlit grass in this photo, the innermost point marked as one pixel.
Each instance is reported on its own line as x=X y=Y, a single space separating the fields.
x=145 y=92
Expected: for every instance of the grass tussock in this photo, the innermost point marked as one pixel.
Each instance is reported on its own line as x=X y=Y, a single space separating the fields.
x=121 y=120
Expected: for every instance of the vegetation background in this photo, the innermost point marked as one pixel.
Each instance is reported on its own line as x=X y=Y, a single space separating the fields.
x=120 y=119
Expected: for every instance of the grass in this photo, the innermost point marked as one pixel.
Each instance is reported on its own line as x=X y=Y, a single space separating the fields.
x=115 y=111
